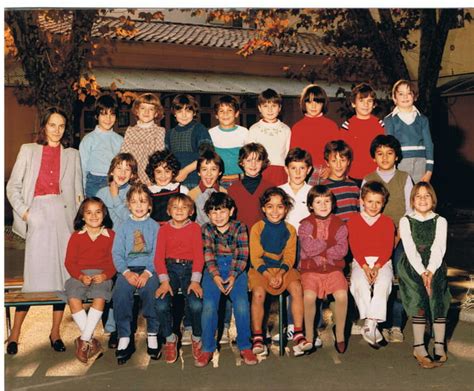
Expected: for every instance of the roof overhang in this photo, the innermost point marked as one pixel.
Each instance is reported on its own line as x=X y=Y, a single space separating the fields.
x=456 y=85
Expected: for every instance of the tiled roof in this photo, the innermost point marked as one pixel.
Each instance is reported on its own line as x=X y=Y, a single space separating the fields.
x=210 y=36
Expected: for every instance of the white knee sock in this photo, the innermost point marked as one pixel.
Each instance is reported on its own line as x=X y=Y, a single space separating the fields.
x=419 y=324
x=152 y=341
x=439 y=329
x=81 y=319
x=92 y=319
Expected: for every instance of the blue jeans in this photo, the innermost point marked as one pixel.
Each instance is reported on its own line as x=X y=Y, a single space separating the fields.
x=180 y=278
x=94 y=183
x=240 y=303
x=123 y=303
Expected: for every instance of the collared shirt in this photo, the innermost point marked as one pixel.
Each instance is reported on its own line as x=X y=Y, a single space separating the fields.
x=92 y=235
x=233 y=242
x=48 y=177
x=406 y=116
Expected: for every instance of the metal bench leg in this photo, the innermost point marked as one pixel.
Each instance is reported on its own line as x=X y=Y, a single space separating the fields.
x=8 y=318
x=281 y=343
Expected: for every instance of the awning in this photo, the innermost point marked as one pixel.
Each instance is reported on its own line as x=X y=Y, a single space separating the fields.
x=192 y=82
x=456 y=85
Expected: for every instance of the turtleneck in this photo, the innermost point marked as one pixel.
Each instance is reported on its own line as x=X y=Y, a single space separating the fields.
x=251 y=183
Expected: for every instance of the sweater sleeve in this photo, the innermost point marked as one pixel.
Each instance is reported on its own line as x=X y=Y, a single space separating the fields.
x=428 y=143
x=438 y=248
x=119 y=250
x=70 y=261
x=150 y=266
x=409 y=246
x=388 y=122
x=311 y=247
x=198 y=255
x=256 y=249
x=356 y=240
x=407 y=192
x=386 y=241
x=160 y=255
x=289 y=252
x=109 y=269
x=339 y=250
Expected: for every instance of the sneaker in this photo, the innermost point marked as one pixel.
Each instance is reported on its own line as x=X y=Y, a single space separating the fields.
x=225 y=338
x=258 y=347
x=356 y=329
x=302 y=347
x=318 y=342
x=186 y=339
x=196 y=348
x=171 y=351
x=387 y=334
x=397 y=334
x=368 y=332
x=203 y=359
x=378 y=334
x=249 y=357
x=290 y=331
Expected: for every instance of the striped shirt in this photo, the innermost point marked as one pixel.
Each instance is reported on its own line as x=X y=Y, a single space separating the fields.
x=347 y=197
x=232 y=242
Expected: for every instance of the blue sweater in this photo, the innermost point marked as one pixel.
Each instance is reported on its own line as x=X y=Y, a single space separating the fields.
x=135 y=244
x=415 y=138
x=117 y=206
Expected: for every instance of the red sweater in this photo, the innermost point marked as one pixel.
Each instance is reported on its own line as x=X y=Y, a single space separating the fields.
x=179 y=243
x=371 y=241
x=312 y=134
x=248 y=205
x=84 y=253
x=359 y=134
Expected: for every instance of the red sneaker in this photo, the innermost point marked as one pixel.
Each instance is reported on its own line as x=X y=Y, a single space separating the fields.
x=248 y=357
x=171 y=351
x=196 y=348
x=203 y=359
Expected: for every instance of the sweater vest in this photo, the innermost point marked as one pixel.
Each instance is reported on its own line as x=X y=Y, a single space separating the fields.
x=307 y=264
x=395 y=206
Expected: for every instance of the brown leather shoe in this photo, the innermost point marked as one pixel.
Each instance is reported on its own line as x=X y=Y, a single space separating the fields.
x=95 y=347
x=82 y=350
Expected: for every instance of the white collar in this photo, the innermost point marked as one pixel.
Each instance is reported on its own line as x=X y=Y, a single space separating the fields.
x=170 y=186
x=141 y=218
x=397 y=111
x=419 y=217
x=103 y=231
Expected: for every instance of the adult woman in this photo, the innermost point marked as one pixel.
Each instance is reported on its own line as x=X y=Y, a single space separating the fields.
x=45 y=189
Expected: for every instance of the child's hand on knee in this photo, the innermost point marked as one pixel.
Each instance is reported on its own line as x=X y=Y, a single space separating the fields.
x=131 y=277
x=219 y=283
x=374 y=272
x=99 y=278
x=142 y=279
x=164 y=288
x=86 y=280
x=229 y=284
x=368 y=273
x=196 y=288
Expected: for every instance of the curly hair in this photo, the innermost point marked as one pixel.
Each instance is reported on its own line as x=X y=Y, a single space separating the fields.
x=162 y=158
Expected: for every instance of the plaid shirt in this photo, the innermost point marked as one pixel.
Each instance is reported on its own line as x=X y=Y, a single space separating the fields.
x=232 y=242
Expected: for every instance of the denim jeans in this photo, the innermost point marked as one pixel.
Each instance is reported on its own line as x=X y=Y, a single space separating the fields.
x=180 y=278
x=94 y=183
x=240 y=303
x=123 y=303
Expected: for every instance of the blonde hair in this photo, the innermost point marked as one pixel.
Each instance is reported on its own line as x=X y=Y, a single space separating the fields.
x=429 y=189
x=150 y=99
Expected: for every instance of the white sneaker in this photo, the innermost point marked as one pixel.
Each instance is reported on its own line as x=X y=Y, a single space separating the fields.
x=186 y=339
x=356 y=329
x=225 y=336
x=378 y=335
x=368 y=332
x=303 y=346
x=396 y=334
x=290 y=331
x=318 y=343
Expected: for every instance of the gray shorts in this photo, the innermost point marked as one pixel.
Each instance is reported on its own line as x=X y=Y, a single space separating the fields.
x=414 y=166
x=76 y=289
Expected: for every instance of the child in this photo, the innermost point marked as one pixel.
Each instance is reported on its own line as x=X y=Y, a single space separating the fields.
x=423 y=273
x=162 y=170
x=179 y=262
x=226 y=253
x=323 y=239
x=188 y=139
x=98 y=148
x=298 y=164
x=338 y=157
x=361 y=129
x=89 y=262
x=146 y=137
x=371 y=239
x=386 y=152
x=253 y=159
x=209 y=168
x=122 y=172
x=273 y=134
x=272 y=256
x=228 y=137
x=412 y=129
x=314 y=130
x=133 y=253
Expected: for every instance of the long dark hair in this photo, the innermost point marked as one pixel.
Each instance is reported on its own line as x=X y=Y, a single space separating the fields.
x=79 y=219
x=66 y=140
